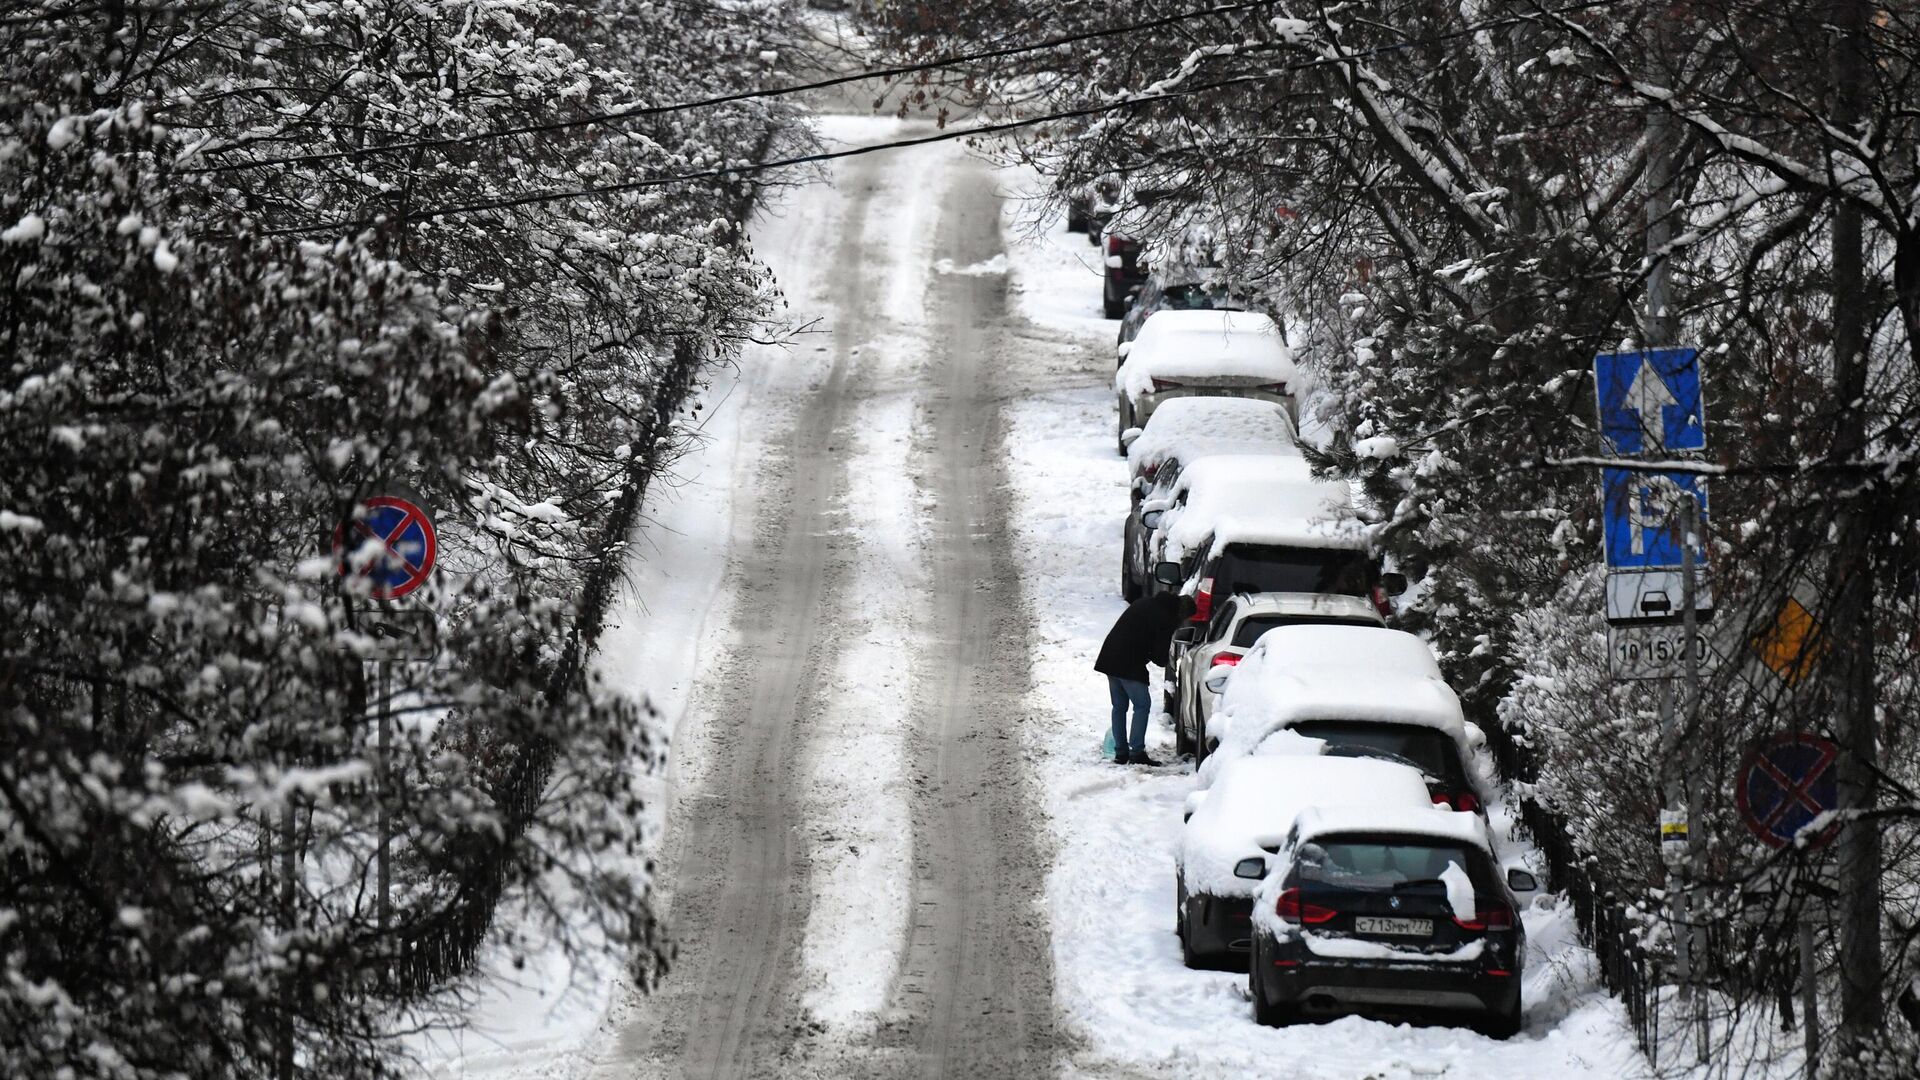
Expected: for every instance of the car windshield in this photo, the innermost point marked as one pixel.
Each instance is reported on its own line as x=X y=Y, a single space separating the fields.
x=1381 y=864
x=1428 y=749
x=1253 y=626
x=1255 y=568
x=1193 y=296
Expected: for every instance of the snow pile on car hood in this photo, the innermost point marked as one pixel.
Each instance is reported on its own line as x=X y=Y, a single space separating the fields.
x=1299 y=673
x=1191 y=428
x=1204 y=344
x=1254 y=801
x=1260 y=499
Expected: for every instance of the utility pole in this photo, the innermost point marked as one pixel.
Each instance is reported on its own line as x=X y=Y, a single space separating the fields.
x=1661 y=329
x=1861 y=1009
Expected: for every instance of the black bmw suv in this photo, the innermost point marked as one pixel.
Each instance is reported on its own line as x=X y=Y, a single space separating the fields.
x=1395 y=918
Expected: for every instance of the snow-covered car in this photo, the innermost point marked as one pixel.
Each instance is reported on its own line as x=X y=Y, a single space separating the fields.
x=1181 y=432
x=1234 y=825
x=1198 y=290
x=1388 y=911
x=1217 y=645
x=1347 y=691
x=1185 y=353
x=1251 y=524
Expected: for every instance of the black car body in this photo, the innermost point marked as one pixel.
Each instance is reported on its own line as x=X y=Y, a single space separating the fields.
x=1361 y=922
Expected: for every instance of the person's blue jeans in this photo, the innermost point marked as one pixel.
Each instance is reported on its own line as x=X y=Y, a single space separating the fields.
x=1123 y=692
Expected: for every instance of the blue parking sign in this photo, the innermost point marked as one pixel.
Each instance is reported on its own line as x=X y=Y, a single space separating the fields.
x=1644 y=517
x=1650 y=400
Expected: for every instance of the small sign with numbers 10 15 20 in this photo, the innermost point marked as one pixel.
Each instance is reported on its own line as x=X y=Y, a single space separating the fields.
x=1657 y=652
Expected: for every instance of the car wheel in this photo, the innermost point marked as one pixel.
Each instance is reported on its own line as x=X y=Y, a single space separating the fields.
x=1265 y=1013
x=1125 y=420
x=1200 y=747
x=1502 y=1025
x=1076 y=218
x=1129 y=589
x=1116 y=309
x=1181 y=743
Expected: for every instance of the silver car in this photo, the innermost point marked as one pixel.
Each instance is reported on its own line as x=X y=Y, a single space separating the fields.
x=1212 y=648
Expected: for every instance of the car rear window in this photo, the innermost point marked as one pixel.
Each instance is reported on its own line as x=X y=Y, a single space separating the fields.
x=1428 y=749
x=1380 y=863
x=1253 y=626
x=1253 y=568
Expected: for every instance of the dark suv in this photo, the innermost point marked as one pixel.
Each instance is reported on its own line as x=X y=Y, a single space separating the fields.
x=1371 y=917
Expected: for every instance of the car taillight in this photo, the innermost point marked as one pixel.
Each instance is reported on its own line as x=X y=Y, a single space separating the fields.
x=1149 y=471
x=1166 y=384
x=1226 y=659
x=1273 y=387
x=1382 y=603
x=1466 y=802
x=1499 y=917
x=1114 y=242
x=1203 y=601
x=1291 y=908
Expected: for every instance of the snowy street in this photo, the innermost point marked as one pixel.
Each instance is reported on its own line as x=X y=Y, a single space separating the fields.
x=846 y=540
x=895 y=847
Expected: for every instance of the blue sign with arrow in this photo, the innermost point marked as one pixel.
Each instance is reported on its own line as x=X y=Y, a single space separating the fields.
x=1650 y=400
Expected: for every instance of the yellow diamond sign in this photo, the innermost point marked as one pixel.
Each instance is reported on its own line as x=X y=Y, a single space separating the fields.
x=1792 y=645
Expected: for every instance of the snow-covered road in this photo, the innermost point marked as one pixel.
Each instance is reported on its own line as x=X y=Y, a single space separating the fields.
x=853 y=865
x=893 y=846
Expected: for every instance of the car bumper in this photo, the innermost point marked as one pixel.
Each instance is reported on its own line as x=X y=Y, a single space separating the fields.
x=1220 y=925
x=1333 y=987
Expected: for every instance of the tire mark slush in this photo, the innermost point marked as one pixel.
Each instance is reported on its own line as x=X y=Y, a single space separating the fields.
x=739 y=874
x=974 y=997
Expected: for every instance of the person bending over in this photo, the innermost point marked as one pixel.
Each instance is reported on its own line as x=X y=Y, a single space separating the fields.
x=1139 y=637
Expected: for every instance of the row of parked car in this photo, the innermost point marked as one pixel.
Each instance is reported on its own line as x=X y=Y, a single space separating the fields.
x=1335 y=845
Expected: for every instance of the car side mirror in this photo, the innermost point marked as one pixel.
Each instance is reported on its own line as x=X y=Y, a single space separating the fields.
x=1166 y=573
x=1132 y=433
x=1393 y=583
x=1252 y=868
x=1125 y=348
x=1187 y=635
x=1520 y=881
x=1216 y=684
x=1151 y=519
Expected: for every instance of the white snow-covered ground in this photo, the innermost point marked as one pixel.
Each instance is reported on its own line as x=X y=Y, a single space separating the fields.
x=1118 y=976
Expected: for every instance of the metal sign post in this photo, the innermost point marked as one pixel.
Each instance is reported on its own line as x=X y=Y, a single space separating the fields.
x=1649 y=404
x=408 y=546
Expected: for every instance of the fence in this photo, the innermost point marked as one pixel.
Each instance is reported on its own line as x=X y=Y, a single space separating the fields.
x=1626 y=969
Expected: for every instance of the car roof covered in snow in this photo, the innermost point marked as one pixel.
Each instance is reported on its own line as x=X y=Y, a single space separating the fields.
x=1201 y=343
x=1260 y=499
x=1253 y=804
x=1327 y=819
x=1191 y=428
x=1296 y=674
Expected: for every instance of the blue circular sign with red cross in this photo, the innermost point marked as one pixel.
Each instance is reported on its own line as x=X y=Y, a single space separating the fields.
x=1785 y=784
x=407 y=546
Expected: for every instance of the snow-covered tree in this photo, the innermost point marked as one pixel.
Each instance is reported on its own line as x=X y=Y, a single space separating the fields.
x=262 y=261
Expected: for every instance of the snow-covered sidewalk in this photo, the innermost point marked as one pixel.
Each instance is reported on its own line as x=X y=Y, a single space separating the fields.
x=1119 y=980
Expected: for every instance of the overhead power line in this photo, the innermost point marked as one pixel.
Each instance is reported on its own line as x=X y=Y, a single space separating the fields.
x=729 y=99
x=993 y=128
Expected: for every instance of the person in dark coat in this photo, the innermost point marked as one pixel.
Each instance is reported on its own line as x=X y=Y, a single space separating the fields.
x=1139 y=637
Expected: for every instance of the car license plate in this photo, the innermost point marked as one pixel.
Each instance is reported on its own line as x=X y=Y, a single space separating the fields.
x=1401 y=927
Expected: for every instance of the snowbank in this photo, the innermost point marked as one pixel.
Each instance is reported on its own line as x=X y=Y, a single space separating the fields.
x=1202 y=345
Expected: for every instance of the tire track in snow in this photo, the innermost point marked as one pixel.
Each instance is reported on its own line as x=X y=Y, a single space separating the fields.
x=739 y=882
